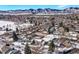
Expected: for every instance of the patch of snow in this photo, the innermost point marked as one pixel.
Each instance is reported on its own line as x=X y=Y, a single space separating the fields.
x=25 y=25
x=2 y=32
x=9 y=24
x=50 y=37
x=77 y=45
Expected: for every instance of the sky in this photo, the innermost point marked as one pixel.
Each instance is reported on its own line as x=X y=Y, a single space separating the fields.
x=15 y=7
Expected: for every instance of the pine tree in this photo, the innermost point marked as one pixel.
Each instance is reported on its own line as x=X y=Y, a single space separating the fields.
x=61 y=24
x=66 y=29
x=27 y=49
x=51 y=47
x=15 y=36
x=51 y=30
x=17 y=29
x=33 y=42
x=7 y=29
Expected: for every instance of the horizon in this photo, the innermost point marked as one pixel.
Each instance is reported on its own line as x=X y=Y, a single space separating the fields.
x=23 y=7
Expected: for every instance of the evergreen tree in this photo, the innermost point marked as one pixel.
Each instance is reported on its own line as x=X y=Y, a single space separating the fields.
x=51 y=47
x=61 y=24
x=51 y=30
x=15 y=36
x=17 y=29
x=27 y=49
x=0 y=52
x=66 y=29
x=7 y=29
x=33 y=42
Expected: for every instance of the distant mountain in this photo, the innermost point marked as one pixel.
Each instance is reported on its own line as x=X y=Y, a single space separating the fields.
x=42 y=11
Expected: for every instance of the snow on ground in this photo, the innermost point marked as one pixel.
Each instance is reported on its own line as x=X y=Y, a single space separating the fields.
x=25 y=25
x=2 y=32
x=2 y=23
x=50 y=37
x=8 y=24
x=64 y=49
x=12 y=25
x=76 y=45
